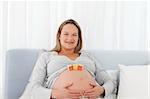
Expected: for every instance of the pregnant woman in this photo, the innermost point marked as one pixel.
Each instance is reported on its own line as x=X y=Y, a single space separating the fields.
x=66 y=72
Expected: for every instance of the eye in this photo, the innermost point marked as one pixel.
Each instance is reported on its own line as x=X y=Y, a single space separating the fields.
x=65 y=33
x=75 y=34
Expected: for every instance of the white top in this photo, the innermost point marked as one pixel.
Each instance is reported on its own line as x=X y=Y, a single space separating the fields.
x=49 y=65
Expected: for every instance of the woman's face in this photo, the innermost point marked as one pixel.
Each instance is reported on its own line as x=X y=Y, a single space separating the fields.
x=69 y=37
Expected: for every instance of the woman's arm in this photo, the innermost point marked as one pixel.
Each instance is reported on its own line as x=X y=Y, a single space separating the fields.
x=103 y=79
x=35 y=89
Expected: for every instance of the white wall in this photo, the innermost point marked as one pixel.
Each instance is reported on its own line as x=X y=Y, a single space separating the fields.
x=1 y=47
x=114 y=24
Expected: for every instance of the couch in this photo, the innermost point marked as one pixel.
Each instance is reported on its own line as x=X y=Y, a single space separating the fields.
x=20 y=62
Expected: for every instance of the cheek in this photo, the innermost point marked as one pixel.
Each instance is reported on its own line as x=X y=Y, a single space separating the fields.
x=61 y=40
x=77 y=39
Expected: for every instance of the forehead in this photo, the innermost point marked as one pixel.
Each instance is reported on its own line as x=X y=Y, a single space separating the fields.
x=70 y=27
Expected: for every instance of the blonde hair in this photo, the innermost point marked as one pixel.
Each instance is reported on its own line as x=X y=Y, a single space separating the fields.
x=57 y=47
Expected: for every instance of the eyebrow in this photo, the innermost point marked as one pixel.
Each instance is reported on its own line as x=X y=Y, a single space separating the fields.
x=67 y=32
x=64 y=31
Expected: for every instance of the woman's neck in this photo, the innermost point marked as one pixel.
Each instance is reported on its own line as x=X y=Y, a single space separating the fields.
x=67 y=52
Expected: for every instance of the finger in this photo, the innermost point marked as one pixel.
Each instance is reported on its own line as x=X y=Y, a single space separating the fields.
x=68 y=85
x=90 y=97
x=89 y=94
x=93 y=84
x=74 y=96
x=74 y=91
x=71 y=96
x=94 y=97
x=90 y=90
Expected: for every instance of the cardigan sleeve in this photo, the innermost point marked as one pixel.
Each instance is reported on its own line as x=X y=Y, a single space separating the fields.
x=103 y=78
x=35 y=89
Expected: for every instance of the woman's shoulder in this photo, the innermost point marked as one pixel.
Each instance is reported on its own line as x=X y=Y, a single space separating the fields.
x=46 y=53
x=86 y=53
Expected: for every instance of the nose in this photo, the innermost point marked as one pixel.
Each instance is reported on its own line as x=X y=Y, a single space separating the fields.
x=70 y=37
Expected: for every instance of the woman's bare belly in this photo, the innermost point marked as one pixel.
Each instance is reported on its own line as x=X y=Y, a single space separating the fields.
x=75 y=80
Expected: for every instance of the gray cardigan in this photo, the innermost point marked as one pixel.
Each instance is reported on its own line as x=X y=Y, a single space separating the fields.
x=48 y=67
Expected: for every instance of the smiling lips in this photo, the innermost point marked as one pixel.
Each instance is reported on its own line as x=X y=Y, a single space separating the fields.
x=69 y=42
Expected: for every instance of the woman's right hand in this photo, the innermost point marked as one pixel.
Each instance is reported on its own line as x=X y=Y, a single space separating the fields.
x=66 y=93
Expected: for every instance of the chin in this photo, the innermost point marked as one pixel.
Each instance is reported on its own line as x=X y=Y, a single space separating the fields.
x=70 y=47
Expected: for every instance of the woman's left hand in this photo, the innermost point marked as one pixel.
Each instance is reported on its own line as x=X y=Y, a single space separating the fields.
x=94 y=92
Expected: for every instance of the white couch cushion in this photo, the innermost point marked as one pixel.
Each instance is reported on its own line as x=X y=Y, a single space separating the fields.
x=133 y=82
